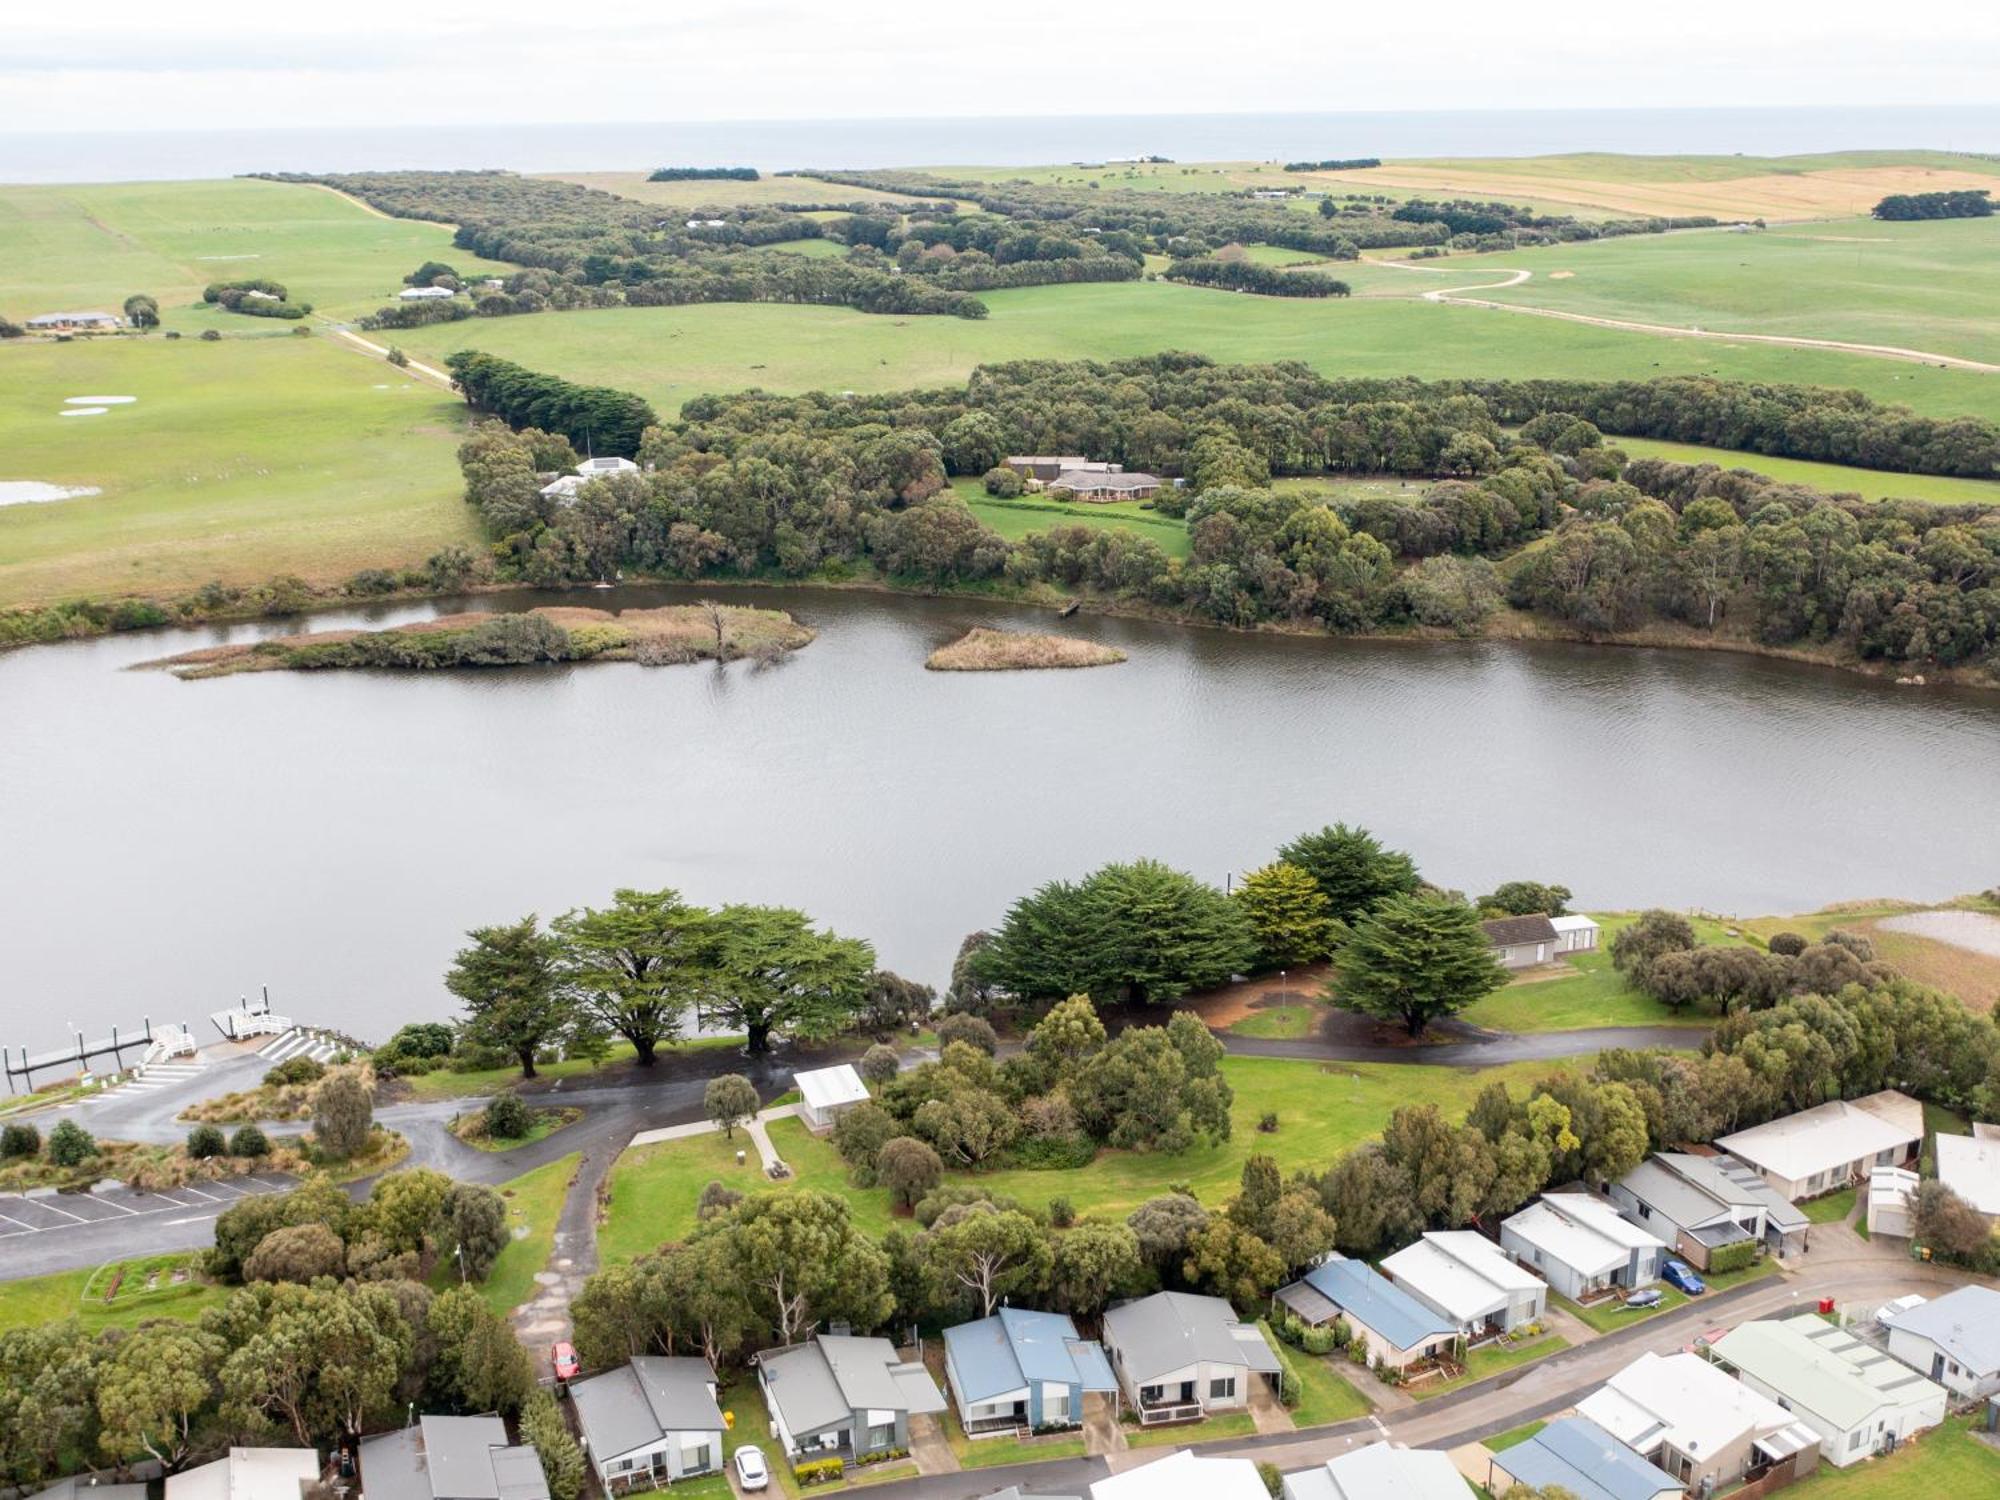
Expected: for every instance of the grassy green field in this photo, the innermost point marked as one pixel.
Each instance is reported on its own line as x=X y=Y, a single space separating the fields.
x=1030 y=513
x=1595 y=994
x=240 y=460
x=83 y=1295
x=1947 y=1460
x=1321 y=1111
x=669 y=354
x=91 y=246
x=812 y=249
x=534 y=1203
x=1930 y=286
x=1870 y=484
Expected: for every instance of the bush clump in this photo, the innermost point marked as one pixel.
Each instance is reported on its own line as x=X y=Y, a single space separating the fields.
x=205 y=1141
x=249 y=1142
x=70 y=1145
x=507 y=1118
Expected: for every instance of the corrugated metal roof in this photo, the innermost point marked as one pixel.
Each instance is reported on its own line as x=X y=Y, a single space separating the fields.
x=1171 y=1330
x=1592 y=1464
x=1368 y=1297
x=1964 y=1323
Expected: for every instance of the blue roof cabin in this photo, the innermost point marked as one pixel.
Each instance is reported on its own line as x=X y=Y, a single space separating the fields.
x=1396 y=1328
x=1022 y=1369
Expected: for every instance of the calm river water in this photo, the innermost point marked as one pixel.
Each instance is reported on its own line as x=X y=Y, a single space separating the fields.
x=166 y=846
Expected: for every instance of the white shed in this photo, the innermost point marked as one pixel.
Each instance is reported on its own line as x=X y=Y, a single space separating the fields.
x=1889 y=1193
x=1575 y=934
x=825 y=1093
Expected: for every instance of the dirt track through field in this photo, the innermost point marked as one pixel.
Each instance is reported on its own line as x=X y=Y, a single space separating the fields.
x=1449 y=296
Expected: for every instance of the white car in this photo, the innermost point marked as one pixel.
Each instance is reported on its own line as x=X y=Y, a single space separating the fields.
x=750 y=1470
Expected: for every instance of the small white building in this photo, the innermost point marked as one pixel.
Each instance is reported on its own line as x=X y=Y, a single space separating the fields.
x=76 y=322
x=1467 y=1278
x=1522 y=942
x=1954 y=1339
x=1574 y=934
x=248 y=1474
x=1182 y=1475
x=1380 y=1471
x=426 y=293
x=1970 y=1166
x=1858 y=1399
x=564 y=489
x=1581 y=1245
x=827 y=1093
x=598 y=468
x=1889 y=1193
x=1823 y=1149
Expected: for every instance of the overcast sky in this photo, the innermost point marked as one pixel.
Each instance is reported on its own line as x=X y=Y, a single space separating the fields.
x=217 y=64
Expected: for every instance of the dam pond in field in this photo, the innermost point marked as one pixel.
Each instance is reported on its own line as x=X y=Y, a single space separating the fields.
x=166 y=846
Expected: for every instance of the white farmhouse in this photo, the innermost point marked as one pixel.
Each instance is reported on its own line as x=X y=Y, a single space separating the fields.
x=1823 y=1149
x=1581 y=1245
x=1470 y=1280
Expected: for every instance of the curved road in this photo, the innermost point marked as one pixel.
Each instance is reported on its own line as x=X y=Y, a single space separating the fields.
x=1449 y=297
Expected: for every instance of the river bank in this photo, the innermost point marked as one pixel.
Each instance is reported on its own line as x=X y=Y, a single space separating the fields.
x=88 y=620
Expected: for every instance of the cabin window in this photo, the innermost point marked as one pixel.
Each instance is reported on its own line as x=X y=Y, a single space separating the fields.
x=1223 y=1389
x=882 y=1436
x=697 y=1459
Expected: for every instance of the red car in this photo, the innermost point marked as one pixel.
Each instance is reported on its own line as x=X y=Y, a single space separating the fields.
x=563 y=1357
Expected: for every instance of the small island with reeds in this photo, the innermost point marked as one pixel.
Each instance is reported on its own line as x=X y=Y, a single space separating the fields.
x=668 y=636
x=984 y=650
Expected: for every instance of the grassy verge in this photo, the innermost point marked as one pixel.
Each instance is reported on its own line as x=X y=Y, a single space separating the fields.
x=1321 y=1110
x=1724 y=1280
x=543 y=1123
x=997 y=1452
x=742 y=1400
x=1513 y=1437
x=1287 y=1022
x=1230 y=1424
x=534 y=1203
x=1492 y=1359
x=446 y=1084
x=1324 y=1397
x=1611 y=1315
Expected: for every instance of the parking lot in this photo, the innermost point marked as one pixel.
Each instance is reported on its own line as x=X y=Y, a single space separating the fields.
x=77 y=1213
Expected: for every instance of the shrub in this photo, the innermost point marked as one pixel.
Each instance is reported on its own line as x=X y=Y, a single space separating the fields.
x=860 y=1133
x=507 y=1118
x=205 y=1141
x=1274 y=1481
x=1787 y=944
x=976 y=1031
x=210 y=336
x=298 y=1252
x=1268 y=1122
x=300 y=1069
x=908 y=1168
x=718 y=1197
x=818 y=1471
x=1727 y=1258
x=1316 y=1340
x=19 y=1140
x=879 y=1064
x=249 y=1141
x=397 y=357
x=70 y=1144
x=1062 y=1213
x=343 y=1115
x=1004 y=483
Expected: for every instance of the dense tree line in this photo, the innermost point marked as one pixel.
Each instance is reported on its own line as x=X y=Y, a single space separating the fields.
x=1334 y=164
x=762 y=485
x=591 y=417
x=1474 y=225
x=1248 y=276
x=1961 y=203
x=703 y=174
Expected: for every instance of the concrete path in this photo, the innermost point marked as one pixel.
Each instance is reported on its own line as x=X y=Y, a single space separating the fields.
x=929 y=1446
x=1268 y=1412
x=754 y=1127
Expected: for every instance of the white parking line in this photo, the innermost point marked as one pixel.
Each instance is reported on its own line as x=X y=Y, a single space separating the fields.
x=79 y=1218
x=114 y=1203
x=205 y=1197
x=192 y=1219
x=25 y=1228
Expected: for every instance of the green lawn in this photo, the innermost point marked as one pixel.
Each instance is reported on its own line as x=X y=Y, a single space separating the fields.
x=1948 y=1460
x=821 y=249
x=534 y=1203
x=81 y=1295
x=669 y=354
x=447 y=1084
x=996 y=1452
x=543 y=1124
x=1283 y=1021
x=1933 y=286
x=1870 y=484
x=1612 y=1314
x=1513 y=1437
x=1832 y=1208
x=1324 y=1397
x=1321 y=1111
x=1491 y=1359
x=1014 y=519
x=240 y=460
x=742 y=1400
x=1231 y=1424
x=91 y=246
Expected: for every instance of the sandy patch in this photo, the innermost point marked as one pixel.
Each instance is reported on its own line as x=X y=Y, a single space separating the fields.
x=983 y=650
x=1561 y=275
x=35 y=492
x=99 y=400
x=84 y=411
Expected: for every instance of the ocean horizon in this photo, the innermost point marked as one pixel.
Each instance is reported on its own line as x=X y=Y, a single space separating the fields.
x=778 y=145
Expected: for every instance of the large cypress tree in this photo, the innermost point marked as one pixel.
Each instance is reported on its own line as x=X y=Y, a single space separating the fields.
x=1414 y=959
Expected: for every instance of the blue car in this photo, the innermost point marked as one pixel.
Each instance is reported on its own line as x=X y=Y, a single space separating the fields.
x=1680 y=1275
